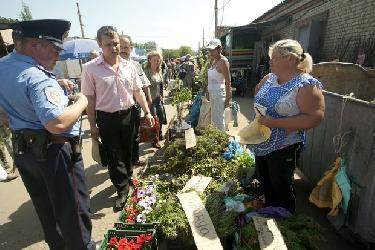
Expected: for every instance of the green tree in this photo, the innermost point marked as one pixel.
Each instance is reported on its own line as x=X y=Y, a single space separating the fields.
x=175 y=53
x=170 y=53
x=138 y=45
x=184 y=50
x=25 y=14
x=151 y=45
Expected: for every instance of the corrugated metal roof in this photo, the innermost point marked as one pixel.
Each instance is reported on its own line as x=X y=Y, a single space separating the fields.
x=272 y=10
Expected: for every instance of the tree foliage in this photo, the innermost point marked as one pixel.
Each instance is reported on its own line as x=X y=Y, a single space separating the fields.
x=25 y=14
x=167 y=53
x=175 y=53
x=184 y=50
x=151 y=45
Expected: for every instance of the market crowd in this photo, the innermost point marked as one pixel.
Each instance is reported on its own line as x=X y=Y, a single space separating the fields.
x=44 y=115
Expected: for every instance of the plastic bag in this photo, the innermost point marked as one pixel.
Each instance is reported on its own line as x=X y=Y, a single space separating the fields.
x=148 y=133
x=204 y=114
x=254 y=133
x=228 y=117
x=98 y=153
x=3 y=173
x=95 y=153
x=235 y=203
x=193 y=115
x=235 y=110
x=327 y=193
x=172 y=85
x=234 y=150
x=343 y=182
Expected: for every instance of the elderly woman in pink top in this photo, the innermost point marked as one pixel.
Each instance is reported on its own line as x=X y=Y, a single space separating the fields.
x=110 y=83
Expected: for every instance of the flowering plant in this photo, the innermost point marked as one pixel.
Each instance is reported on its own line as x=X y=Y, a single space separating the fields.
x=126 y=244
x=140 y=202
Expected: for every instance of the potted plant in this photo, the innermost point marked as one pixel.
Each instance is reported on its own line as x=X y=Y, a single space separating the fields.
x=179 y=96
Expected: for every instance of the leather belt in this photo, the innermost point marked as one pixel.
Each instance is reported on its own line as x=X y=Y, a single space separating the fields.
x=124 y=111
x=119 y=112
x=58 y=139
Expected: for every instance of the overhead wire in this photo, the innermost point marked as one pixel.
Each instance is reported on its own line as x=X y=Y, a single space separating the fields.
x=211 y=24
x=223 y=8
x=222 y=14
x=225 y=4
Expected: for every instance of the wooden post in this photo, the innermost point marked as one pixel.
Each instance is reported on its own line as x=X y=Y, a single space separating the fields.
x=80 y=21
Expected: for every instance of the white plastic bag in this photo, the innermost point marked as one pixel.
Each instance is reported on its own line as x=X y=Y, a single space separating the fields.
x=95 y=152
x=3 y=173
x=228 y=117
x=171 y=85
x=254 y=132
x=204 y=114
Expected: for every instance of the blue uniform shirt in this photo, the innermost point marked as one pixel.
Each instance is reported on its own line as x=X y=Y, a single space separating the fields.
x=30 y=94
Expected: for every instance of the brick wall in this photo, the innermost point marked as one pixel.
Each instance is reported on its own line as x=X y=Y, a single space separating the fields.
x=349 y=23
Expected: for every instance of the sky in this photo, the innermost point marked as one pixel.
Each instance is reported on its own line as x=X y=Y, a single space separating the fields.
x=170 y=23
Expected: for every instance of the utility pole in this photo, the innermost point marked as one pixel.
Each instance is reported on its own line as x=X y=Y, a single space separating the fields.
x=203 y=39
x=216 y=31
x=80 y=21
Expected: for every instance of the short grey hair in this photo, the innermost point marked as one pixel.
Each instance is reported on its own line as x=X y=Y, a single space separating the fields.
x=109 y=31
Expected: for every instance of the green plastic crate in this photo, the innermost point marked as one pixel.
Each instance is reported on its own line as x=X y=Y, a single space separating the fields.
x=130 y=234
x=134 y=226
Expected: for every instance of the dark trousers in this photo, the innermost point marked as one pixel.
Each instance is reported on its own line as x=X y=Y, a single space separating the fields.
x=59 y=193
x=275 y=172
x=116 y=133
x=137 y=122
x=157 y=110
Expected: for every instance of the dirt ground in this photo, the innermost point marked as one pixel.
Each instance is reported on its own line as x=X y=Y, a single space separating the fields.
x=20 y=228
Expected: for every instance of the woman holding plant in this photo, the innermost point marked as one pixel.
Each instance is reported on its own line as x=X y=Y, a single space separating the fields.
x=154 y=74
x=293 y=102
x=219 y=85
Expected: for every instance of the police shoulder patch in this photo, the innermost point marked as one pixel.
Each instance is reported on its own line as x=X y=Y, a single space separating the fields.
x=53 y=95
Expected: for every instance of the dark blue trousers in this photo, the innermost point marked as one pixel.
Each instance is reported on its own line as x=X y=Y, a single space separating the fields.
x=116 y=133
x=59 y=193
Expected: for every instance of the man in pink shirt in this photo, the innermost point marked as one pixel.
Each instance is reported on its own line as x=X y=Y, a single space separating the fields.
x=110 y=83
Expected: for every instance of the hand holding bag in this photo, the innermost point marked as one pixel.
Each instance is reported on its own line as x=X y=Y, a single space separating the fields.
x=98 y=153
x=148 y=133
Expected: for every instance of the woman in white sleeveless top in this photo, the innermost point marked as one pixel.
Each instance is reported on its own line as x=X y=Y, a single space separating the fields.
x=219 y=86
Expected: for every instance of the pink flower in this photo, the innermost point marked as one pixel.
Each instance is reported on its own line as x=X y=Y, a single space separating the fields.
x=123 y=242
x=136 y=246
x=148 y=237
x=113 y=241
x=140 y=239
x=135 y=182
x=135 y=199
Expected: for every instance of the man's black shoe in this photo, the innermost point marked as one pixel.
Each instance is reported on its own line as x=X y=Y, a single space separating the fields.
x=120 y=202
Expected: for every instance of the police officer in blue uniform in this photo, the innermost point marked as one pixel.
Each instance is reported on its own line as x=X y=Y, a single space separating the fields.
x=45 y=129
